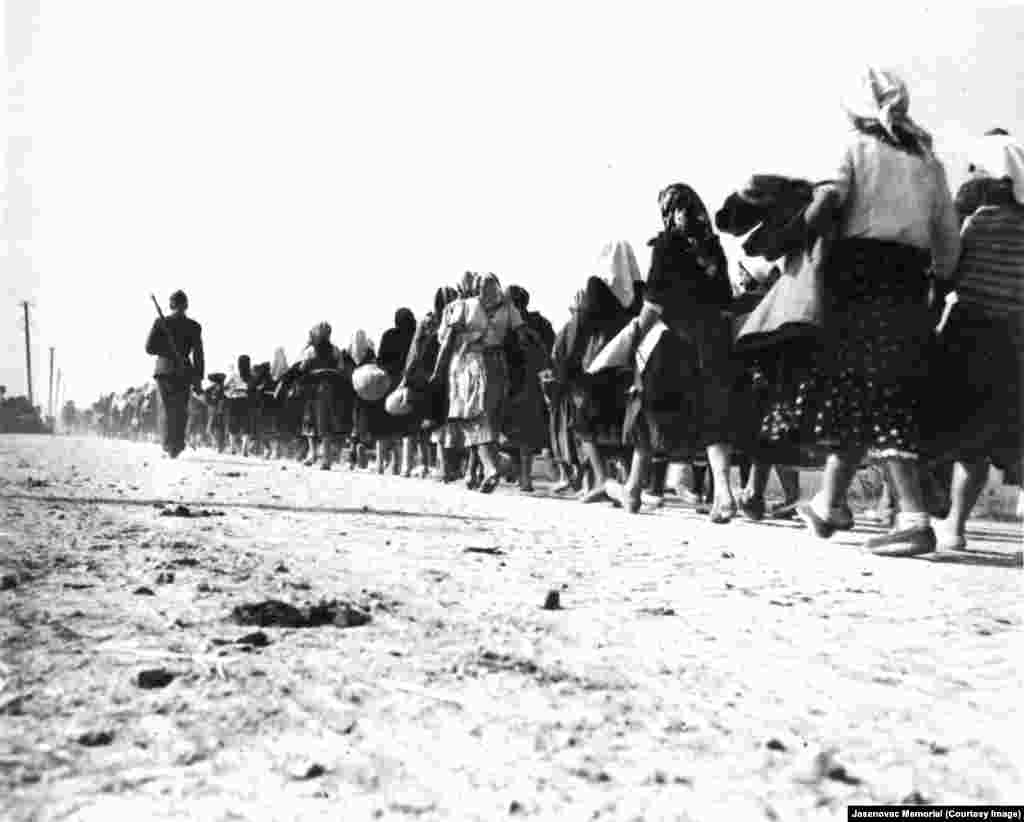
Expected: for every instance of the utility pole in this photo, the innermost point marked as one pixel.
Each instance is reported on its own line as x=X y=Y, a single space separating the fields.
x=60 y=406
x=28 y=353
x=51 y=383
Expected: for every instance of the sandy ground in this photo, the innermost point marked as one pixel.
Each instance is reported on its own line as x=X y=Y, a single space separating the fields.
x=693 y=671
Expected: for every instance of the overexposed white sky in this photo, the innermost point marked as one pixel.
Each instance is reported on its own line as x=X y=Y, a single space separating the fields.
x=290 y=162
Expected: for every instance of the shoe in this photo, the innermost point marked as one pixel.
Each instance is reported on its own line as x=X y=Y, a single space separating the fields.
x=652 y=500
x=910 y=542
x=723 y=514
x=490 y=483
x=845 y=521
x=821 y=528
x=621 y=497
x=753 y=508
x=785 y=510
x=595 y=495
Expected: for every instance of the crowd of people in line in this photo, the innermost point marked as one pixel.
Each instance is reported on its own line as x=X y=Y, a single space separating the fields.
x=885 y=328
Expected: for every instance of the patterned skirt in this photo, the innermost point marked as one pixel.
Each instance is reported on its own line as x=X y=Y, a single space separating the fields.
x=478 y=390
x=864 y=383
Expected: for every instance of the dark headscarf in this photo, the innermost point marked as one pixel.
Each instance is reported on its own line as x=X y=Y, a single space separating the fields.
x=178 y=299
x=681 y=196
x=519 y=297
x=442 y=297
x=405 y=321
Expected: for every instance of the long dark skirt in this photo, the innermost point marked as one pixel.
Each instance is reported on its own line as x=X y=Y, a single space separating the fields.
x=979 y=406
x=684 y=399
x=327 y=410
x=237 y=416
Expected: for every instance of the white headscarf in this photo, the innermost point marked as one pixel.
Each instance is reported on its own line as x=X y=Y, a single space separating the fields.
x=617 y=268
x=999 y=156
x=280 y=364
x=882 y=99
x=359 y=347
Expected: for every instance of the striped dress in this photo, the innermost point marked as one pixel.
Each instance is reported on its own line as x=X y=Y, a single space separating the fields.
x=982 y=346
x=990 y=276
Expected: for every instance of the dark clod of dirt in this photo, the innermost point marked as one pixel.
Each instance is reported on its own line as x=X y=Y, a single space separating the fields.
x=185 y=562
x=154 y=678
x=280 y=568
x=8 y=582
x=915 y=798
x=938 y=750
x=185 y=511
x=659 y=610
x=838 y=773
x=313 y=771
x=774 y=745
x=31 y=482
x=165 y=578
x=273 y=612
x=95 y=739
x=553 y=601
x=592 y=776
x=494 y=552
x=257 y=639
x=144 y=591
x=728 y=555
x=515 y=806
x=232 y=474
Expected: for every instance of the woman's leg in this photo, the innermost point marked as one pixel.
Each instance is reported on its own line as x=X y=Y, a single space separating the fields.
x=633 y=487
x=752 y=496
x=525 y=469
x=824 y=514
x=968 y=482
x=487 y=456
x=326 y=453
x=724 y=506
x=913 y=534
x=592 y=458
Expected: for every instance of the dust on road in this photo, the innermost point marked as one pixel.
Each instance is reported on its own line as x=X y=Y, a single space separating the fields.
x=336 y=645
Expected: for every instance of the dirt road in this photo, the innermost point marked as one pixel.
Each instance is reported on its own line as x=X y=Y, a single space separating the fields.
x=691 y=669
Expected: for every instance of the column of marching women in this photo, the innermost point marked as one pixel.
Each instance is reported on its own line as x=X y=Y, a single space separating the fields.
x=879 y=330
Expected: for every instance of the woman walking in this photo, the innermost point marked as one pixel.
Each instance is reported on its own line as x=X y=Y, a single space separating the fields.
x=589 y=409
x=681 y=401
x=982 y=341
x=328 y=396
x=477 y=327
x=897 y=222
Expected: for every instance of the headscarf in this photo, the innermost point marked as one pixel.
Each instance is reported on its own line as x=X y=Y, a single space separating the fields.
x=519 y=297
x=469 y=286
x=618 y=269
x=320 y=334
x=359 y=347
x=280 y=366
x=405 y=321
x=681 y=196
x=491 y=295
x=1000 y=156
x=882 y=103
x=442 y=297
x=178 y=299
